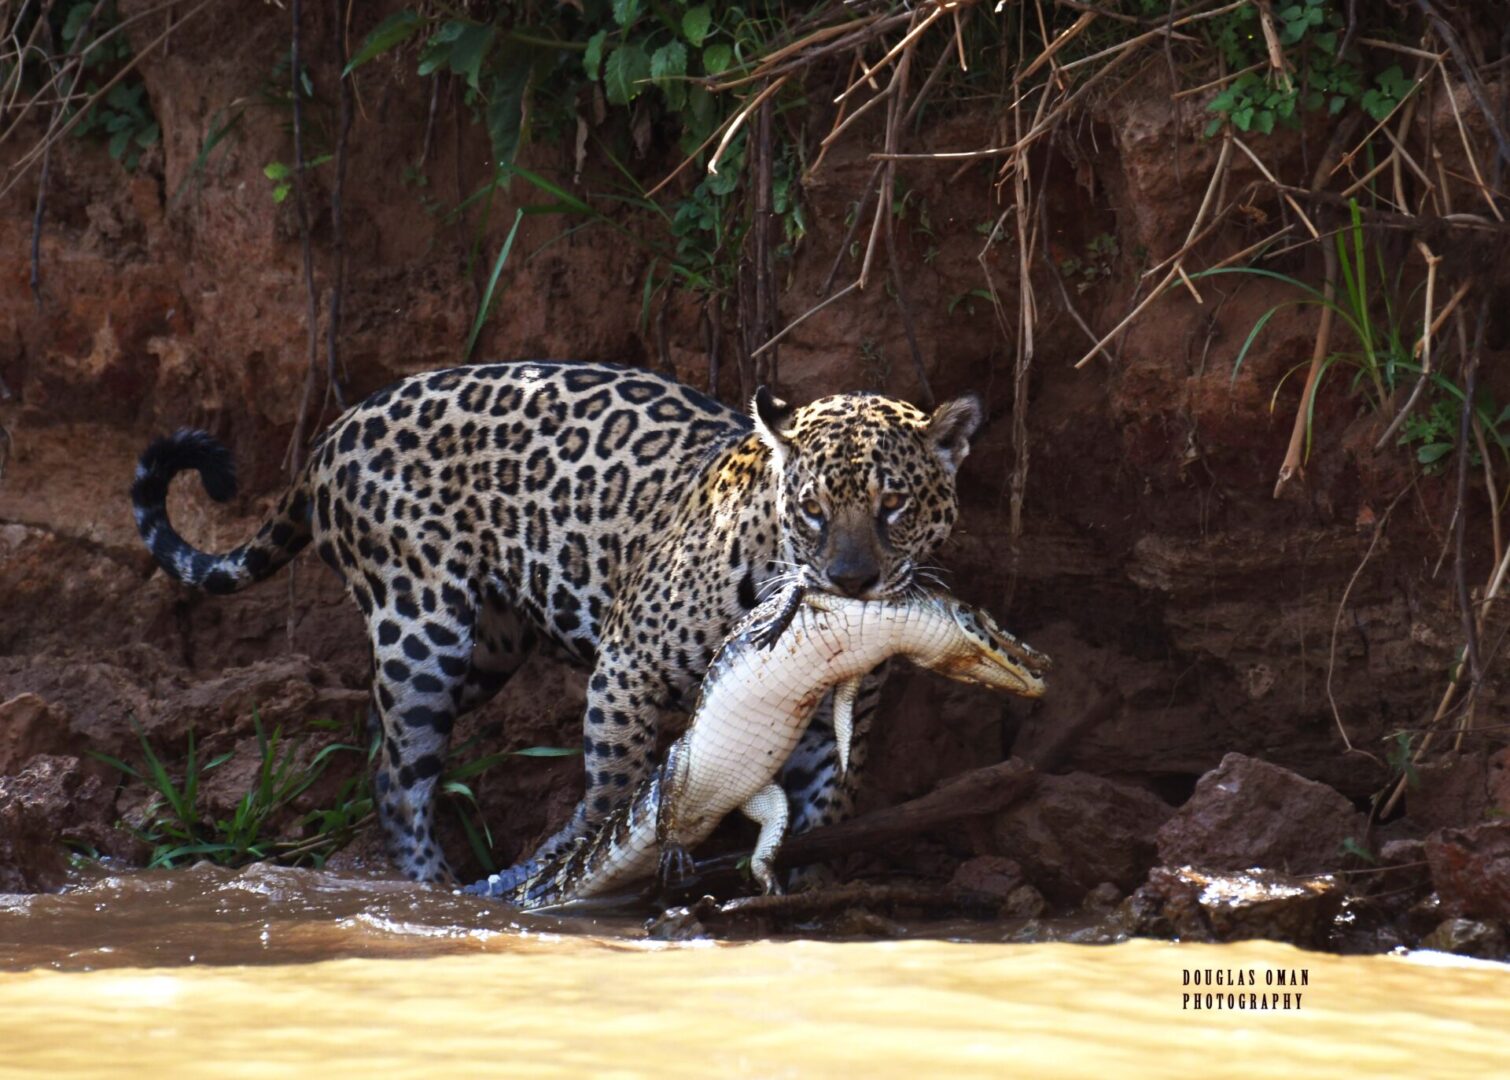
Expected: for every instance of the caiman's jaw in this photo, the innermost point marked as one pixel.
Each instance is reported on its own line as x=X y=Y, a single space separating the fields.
x=996 y=657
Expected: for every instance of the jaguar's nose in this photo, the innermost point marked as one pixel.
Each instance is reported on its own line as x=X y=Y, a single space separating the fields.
x=854 y=583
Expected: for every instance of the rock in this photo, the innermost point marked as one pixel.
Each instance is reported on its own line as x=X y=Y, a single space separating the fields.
x=988 y=875
x=1248 y=813
x=51 y=798
x=1468 y=937
x=1402 y=852
x=1400 y=876
x=1076 y=831
x=676 y=924
x=1102 y=900
x=1470 y=869
x=29 y=725
x=1499 y=782
x=1449 y=793
x=1198 y=905
x=1024 y=902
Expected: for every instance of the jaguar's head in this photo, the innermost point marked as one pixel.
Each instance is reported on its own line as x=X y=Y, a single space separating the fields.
x=865 y=484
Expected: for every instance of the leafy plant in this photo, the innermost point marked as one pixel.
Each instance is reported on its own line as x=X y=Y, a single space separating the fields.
x=1401 y=760
x=1382 y=351
x=652 y=59
x=1263 y=100
x=1351 y=846
x=1101 y=252
x=455 y=782
x=179 y=830
x=123 y=117
x=282 y=175
x=1370 y=307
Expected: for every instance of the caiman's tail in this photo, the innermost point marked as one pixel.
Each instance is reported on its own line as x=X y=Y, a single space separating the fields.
x=281 y=537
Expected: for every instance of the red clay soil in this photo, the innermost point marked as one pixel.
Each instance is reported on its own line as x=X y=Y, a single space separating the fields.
x=1153 y=562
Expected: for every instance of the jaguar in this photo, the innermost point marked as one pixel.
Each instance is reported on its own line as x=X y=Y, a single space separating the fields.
x=609 y=513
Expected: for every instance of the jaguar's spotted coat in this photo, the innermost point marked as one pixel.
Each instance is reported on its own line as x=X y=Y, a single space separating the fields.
x=618 y=515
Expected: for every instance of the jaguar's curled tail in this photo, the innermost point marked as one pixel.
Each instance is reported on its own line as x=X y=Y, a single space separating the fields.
x=279 y=539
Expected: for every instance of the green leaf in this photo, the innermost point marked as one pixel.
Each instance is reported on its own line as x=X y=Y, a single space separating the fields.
x=592 y=59
x=1433 y=452
x=118 y=143
x=668 y=62
x=717 y=58
x=667 y=66
x=470 y=49
x=625 y=70
x=148 y=135
x=546 y=751
x=1350 y=846
x=75 y=21
x=125 y=98
x=1242 y=118
x=281 y=192
x=1263 y=121
x=505 y=113
x=487 y=296
x=696 y=25
x=625 y=11
x=394 y=30
x=276 y=170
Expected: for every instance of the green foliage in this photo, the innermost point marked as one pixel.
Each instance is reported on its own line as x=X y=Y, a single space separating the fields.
x=180 y=831
x=1101 y=252
x=1433 y=427
x=655 y=59
x=1369 y=308
x=455 y=786
x=282 y=175
x=123 y=117
x=1351 y=846
x=1401 y=759
x=1308 y=31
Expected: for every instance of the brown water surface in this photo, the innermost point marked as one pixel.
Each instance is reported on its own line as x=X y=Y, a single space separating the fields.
x=270 y=972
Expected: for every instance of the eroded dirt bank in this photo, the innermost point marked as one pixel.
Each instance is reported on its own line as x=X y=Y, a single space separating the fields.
x=1153 y=562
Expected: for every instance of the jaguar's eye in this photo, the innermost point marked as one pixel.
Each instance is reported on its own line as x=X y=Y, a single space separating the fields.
x=893 y=501
x=812 y=508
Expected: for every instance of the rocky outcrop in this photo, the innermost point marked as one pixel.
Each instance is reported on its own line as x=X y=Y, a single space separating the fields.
x=1470 y=869
x=52 y=802
x=1248 y=813
x=1196 y=905
x=1077 y=831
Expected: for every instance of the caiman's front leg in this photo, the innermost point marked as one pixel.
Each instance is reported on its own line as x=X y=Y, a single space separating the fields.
x=767 y=808
x=765 y=635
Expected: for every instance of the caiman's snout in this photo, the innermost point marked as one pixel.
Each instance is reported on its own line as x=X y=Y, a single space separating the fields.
x=997 y=658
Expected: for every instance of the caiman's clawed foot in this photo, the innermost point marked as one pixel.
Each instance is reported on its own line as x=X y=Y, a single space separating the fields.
x=676 y=867
x=501 y=882
x=764 y=635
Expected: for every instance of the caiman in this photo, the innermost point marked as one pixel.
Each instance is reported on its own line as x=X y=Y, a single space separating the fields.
x=754 y=705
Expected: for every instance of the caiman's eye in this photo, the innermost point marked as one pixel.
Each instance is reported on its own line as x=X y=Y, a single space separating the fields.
x=812 y=508
x=892 y=501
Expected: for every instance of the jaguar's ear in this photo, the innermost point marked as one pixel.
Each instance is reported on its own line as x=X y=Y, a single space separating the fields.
x=772 y=415
x=950 y=428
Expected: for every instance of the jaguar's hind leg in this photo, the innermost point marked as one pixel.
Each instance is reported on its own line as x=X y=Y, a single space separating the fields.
x=422 y=654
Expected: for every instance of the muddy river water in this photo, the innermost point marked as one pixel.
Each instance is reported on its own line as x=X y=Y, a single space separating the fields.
x=269 y=972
